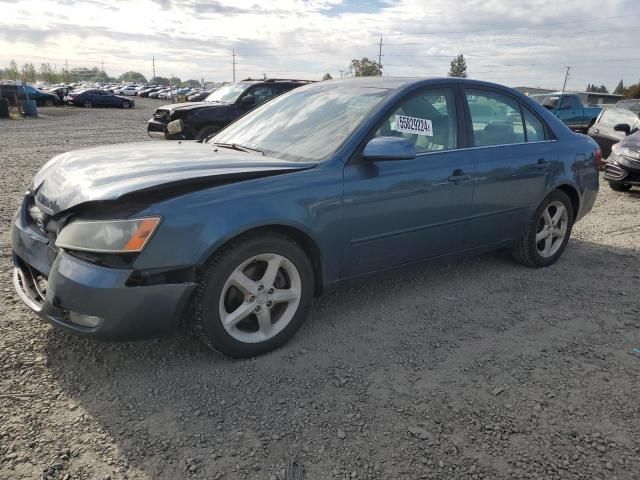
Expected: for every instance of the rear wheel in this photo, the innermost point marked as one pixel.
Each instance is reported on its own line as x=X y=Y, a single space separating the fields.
x=48 y=103
x=548 y=232
x=619 y=187
x=87 y=104
x=253 y=295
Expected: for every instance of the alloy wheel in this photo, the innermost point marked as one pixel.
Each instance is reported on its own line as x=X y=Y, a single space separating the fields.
x=552 y=229
x=260 y=298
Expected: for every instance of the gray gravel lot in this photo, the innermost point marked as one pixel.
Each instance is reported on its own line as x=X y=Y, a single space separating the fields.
x=481 y=369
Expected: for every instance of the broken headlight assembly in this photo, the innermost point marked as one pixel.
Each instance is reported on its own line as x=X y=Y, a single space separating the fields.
x=108 y=236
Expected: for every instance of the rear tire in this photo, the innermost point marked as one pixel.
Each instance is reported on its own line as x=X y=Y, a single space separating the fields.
x=546 y=239
x=619 y=187
x=87 y=104
x=253 y=295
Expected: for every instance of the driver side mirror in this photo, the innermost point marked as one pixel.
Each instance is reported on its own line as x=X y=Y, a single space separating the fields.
x=248 y=100
x=389 y=148
x=623 y=127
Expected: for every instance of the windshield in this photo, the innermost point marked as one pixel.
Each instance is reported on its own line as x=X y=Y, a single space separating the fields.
x=630 y=104
x=227 y=93
x=307 y=124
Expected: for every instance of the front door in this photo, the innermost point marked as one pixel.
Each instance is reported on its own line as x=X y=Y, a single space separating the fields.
x=400 y=211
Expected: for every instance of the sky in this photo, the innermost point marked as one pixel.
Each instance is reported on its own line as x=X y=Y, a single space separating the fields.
x=516 y=43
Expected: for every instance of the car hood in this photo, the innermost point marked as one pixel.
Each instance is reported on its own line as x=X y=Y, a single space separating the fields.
x=175 y=107
x=110 y=172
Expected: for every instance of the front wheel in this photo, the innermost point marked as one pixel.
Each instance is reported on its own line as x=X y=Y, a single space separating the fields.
x=87 y=104
x=125 y=104
x=619 y=187
x=253 y=295
x=548 y=232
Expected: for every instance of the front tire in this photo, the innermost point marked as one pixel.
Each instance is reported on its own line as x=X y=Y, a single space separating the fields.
x=125 y=104
x=619 y=187
x=548 y=232
x=253 y=295
x=87 y=104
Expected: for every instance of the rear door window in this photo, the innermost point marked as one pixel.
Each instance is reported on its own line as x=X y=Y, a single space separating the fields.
x=535 y=129
x=496 y=118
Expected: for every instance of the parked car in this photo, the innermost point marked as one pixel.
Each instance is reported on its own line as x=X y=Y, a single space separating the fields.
x=328 y=182
x=622 y=168
x=158 y=92
x=632 y=104
x=60 y=92
x=569 y=108
x=98 y=98
x=604 y=130
x=147 y=91
x=199 y=96
x=199 y=120
x=43 y=99
x=129 y=90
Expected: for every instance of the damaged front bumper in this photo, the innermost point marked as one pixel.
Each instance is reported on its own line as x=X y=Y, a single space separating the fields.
x=88 y=299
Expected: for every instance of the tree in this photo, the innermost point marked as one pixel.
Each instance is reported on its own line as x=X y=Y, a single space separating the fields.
x=458 y=67
x=132 y=76
x=159 y=81
x=29 y=72
x=191 y=83
x=327 y=76
x=12 y=71
x=595 y=89
x=632 y=91
x=47 y=73
x=619 y=89
x=175 y=80
x=365 y=68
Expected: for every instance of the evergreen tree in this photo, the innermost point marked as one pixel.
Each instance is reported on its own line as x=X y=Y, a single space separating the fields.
x=458 y=67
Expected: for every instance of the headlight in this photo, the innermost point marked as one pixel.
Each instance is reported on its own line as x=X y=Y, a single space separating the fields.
x=175 y=127
x=626 y=152
x=108 y=236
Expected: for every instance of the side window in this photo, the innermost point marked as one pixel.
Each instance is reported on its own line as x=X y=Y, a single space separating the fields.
x=427 y=119
x=495 y=117
x=262 y=94
x=533 y=125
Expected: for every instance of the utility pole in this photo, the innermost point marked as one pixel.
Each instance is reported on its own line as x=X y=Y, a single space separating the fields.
x=566 y=77
x=380 y=58
x=564 y=86
x=102 y=65
x=341 y=73
x=154 y=66
x=233 y=54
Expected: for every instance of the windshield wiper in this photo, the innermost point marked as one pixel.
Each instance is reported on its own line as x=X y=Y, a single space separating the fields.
x=240 y=148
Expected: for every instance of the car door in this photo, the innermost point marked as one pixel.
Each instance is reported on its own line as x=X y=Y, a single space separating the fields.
x=571 y=111
x=513 y=155
x=401 y=211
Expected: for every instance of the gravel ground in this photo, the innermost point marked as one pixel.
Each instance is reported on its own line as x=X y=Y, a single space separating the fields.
x=480 y=369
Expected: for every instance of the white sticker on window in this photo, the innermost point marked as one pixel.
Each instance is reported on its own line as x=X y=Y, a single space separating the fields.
x=417 y=126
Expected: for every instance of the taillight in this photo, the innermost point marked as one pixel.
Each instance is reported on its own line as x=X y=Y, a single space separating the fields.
x=599 y=162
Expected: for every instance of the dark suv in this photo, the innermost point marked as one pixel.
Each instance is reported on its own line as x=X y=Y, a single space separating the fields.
x=199 y=120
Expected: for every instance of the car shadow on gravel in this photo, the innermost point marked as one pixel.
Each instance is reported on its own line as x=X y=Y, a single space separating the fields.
x=175 y=394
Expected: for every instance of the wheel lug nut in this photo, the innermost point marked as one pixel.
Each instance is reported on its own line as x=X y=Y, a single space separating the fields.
x=260 y=287
x=258 y=308
x=269 y=304
x=270 y=291
x=252 y=298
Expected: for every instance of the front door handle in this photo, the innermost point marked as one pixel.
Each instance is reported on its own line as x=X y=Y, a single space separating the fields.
x=459 y=176
x=596 y=130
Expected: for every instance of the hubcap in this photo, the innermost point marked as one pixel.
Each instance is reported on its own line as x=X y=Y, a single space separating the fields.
x=260 y=298
x=552 y=229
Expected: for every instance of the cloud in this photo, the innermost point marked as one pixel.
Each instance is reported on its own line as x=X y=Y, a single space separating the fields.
x=524 y=43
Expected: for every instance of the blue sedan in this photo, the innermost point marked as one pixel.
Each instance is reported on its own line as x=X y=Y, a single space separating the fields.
x=328 y=182
x=94 y=97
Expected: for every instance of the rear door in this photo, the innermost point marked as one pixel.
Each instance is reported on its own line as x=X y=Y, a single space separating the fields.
x=513 y=153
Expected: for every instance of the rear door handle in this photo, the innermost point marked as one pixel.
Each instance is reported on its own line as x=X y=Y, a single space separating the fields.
x=459 y=176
